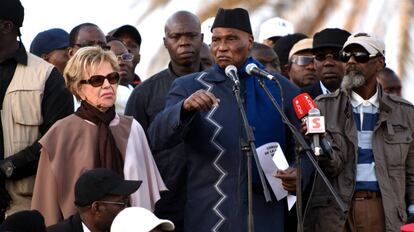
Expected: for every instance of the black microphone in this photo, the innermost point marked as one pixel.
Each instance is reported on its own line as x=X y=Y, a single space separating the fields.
x=231 y=71
x=252 y=69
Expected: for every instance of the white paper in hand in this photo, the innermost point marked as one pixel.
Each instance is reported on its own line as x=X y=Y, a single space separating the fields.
x=281 y=163
x=265 y=153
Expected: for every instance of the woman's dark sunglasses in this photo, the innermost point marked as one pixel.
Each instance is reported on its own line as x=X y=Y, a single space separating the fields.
x=98 y=80
x=360 y=57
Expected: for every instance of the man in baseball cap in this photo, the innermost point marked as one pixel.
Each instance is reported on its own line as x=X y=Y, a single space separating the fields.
x=273 y=29
x=100 y=194
x=130 y=36
x=51 y=45
x=301 y=66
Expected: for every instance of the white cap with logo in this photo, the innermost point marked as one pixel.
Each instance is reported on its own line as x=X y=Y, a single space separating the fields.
x=275 y=27
x=137 y=219
x=368 y=41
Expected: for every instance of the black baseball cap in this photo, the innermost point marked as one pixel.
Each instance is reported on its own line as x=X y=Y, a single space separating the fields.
x=330 y=38
x=127 y=29
x=95 y=184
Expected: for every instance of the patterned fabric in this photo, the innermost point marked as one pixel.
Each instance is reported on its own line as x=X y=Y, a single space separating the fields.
x=366 y=115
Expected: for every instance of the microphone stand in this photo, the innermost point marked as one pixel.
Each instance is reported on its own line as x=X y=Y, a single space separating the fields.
x=303 y=146
x=249 y=148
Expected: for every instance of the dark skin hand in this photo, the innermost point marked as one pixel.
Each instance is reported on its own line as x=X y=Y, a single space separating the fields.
x=201 y=100
x=288 y=178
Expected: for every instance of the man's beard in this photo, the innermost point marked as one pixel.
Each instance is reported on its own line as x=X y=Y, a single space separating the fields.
x=352 y=79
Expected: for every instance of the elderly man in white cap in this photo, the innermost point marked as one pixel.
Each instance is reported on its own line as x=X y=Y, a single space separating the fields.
x=372 y=161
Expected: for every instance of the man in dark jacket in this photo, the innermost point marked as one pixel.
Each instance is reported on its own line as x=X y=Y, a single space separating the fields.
x=183 y=40
x=100 y=194
x=329 y=68
x=202 y=114
x=372 y=160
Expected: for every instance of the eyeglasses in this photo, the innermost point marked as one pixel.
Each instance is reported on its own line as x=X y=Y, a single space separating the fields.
x=302 y=60
x=360 y=57
x=98 y=80
x=127 y=57
x=123 y=204
x=323 y=56
x=102 y=45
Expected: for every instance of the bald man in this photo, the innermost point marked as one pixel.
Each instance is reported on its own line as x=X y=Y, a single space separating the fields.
x=183 y=40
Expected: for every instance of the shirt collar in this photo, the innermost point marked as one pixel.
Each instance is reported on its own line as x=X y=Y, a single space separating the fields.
x=85 y=228
x=324 y=89
x=357 y=100
x=20 y=55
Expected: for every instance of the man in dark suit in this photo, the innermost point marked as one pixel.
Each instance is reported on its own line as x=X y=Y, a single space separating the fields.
x=329 y=68
x=100 y=194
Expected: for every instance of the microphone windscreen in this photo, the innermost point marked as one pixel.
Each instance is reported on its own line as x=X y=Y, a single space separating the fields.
x=302 y=104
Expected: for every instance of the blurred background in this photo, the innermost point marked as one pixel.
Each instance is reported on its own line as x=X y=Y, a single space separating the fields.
x=391 y=20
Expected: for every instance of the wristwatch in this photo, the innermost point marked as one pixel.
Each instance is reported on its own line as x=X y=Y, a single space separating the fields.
x=7 y=168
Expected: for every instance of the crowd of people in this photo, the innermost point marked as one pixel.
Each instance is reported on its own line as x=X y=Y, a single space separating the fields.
x=88 y=146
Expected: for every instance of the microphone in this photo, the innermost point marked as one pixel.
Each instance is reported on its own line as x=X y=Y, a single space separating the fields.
x=315 y=123
x=252 y=69
x=231 y=71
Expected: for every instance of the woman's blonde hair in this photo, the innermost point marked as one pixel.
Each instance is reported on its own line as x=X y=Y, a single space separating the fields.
x=86 y=60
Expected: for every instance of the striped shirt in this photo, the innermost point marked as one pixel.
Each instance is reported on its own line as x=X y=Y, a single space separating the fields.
x=366 y=113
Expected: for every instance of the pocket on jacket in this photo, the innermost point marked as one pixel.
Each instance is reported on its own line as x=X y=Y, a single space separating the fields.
x=26 y=107
x=396 y=146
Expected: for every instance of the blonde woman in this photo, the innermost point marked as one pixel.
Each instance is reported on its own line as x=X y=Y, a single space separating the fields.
x=93 y=137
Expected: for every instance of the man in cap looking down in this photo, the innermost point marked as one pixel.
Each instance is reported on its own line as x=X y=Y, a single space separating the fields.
x=100 y=194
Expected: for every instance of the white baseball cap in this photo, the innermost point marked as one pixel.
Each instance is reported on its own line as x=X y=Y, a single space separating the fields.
x=368 y=41
x=275 y=27
x=137 y=219
x=206 y=30
x=301 y=45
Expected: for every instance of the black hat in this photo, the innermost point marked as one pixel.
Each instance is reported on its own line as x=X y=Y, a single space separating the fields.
x=12 y=10
x=95 y=184
x=127 y=29
x=24 y=221
x=330 y=37
x=284 y=44
x=237 y=18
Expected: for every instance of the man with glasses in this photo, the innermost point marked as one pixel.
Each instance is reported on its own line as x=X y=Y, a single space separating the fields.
x=329 y=68
x=301 y=67
x=33 y=97
x=130 y=36
x=100 y=194
x=372 y=160
x=126 y=72
x=84 y=35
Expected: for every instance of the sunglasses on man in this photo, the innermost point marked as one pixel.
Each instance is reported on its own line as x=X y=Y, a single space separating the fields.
x=126 y=57
x=302 y=60
x=98 y=80
x=360 y=57
x=324 y=56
